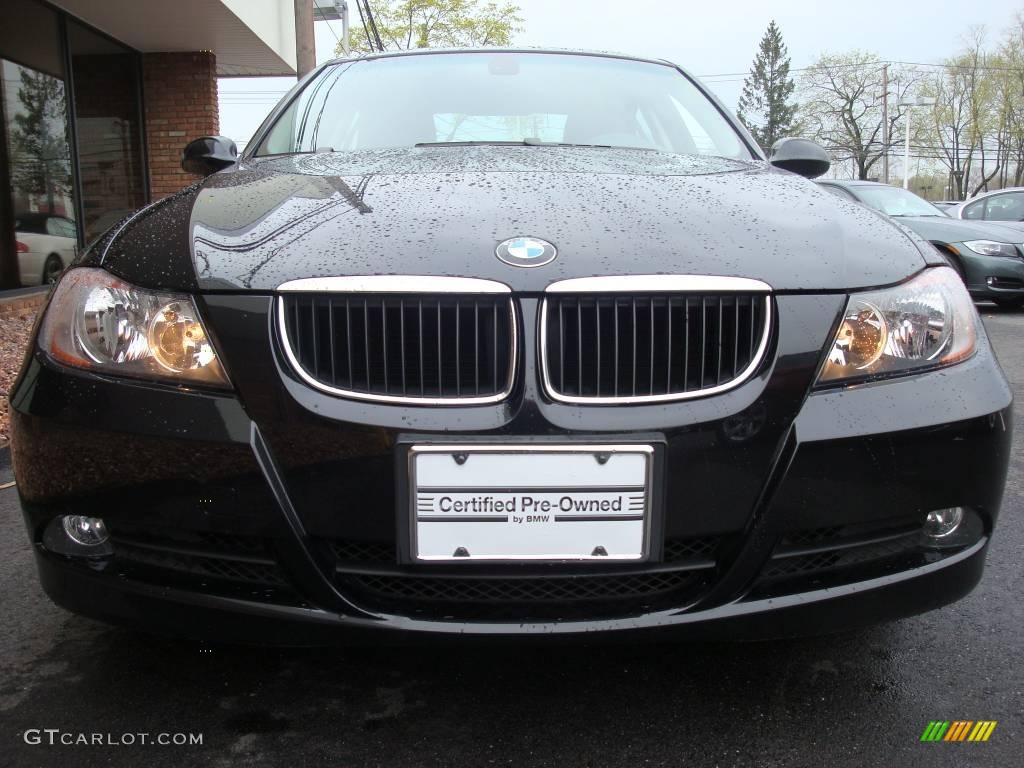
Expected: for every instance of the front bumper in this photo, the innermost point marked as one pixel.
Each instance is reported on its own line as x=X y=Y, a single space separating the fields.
x=992 y=277
x=212 y=617
x=270 y=516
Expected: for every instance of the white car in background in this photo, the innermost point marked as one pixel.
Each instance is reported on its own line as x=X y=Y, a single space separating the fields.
x=1005 y=206
x=46 y=243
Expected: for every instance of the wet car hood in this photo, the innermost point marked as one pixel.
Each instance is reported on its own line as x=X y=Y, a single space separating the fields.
x=443 y=210
x=947 y=230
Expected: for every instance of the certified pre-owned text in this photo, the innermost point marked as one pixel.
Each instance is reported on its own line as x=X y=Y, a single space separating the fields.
x=529 y=504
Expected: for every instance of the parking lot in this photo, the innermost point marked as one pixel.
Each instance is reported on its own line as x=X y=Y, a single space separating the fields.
x=851 y=700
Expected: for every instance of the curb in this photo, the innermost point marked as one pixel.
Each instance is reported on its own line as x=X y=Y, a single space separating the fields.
x=15 y=303
x=6 y=471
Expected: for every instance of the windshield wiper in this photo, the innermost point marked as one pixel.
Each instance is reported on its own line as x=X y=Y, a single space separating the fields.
x=521 y=143
x=468 y=144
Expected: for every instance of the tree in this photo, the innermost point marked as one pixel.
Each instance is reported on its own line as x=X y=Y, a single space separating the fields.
x=765 y=108
x=1012 y=53
x=842 y=105
x=404 y=24
x=972 y=117
x=40 y=154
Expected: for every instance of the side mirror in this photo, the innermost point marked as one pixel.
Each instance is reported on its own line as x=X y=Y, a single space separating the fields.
x=208 y=155
x=802 y=156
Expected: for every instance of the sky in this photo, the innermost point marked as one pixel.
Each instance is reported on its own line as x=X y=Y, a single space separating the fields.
x=715 y=41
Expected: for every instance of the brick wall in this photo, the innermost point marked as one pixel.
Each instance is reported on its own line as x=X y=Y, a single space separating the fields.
x=181 y=104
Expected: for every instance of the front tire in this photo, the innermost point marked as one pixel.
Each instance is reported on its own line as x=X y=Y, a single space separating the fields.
x=52 y=268
x=954 y=262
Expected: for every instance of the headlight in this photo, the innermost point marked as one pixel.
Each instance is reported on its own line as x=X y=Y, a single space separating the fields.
x=99 y=322
x=927 y=322
x=992 y=248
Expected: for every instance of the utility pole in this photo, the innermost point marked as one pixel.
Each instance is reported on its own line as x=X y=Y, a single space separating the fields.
x=885 y=123
x=305 y=43
x=906 y=152
x=346 y=39
x=908 y=104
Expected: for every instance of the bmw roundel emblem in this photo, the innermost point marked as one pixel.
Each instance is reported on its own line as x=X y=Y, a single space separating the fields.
x=526 y=252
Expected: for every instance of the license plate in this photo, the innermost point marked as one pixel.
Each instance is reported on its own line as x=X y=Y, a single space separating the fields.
x=550 y=502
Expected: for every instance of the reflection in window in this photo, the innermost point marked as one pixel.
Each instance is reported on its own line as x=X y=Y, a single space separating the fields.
x=459 y=127
x=40 y=168
x=1009 y=207
x=976 y=211
x=502 y=97
x=38 y=141
x=107 y=123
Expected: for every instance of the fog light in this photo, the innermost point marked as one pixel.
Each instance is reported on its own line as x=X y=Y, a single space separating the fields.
x=942 y=522
x=87 y=531
x=78 y=536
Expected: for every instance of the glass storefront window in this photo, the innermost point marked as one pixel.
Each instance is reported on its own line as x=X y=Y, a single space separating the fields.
x=39 y=167
x=67 y=171
x=106 y=90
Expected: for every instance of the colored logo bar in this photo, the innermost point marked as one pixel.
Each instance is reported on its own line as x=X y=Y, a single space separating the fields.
x=958 y=730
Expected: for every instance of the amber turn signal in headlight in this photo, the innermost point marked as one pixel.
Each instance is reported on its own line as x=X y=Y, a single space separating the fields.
x=102 y=323
x=927 y=322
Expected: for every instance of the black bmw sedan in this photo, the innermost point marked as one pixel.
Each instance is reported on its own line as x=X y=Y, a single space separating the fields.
x=505 y=343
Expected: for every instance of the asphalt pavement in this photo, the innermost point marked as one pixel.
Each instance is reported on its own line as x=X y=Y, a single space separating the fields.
x=858 y=699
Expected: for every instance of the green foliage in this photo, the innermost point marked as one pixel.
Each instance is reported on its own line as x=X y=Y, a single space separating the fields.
x=978 y=117
x=765 y=107
x=405 y=24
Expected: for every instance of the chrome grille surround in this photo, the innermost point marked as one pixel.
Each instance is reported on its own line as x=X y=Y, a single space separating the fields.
x=632 y=286
x=413 y=287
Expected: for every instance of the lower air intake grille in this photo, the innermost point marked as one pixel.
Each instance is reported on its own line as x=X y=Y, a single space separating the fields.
x=815 y=558
x=368 y=573
x=651 y=346
x=524 y=589
x=436 y=348
x=524 y=598
x=247 y=571
x=216 y=563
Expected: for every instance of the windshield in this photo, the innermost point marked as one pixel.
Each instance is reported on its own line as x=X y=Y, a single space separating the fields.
x=519 y=98
x=896 y=202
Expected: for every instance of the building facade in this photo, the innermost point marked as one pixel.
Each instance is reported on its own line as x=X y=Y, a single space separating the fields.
x=97 y=100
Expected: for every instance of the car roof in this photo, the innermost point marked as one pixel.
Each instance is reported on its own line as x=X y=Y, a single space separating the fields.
x=959 y=207
x=443 y=51
x=981 y=195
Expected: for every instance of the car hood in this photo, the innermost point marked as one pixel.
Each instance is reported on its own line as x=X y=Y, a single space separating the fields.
x=947 y=230
x=443 y=210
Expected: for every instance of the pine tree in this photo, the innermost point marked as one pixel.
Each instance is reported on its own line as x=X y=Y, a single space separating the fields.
x=764 y=107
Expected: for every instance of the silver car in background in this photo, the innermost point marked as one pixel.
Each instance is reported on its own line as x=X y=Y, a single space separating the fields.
x=1005 y=206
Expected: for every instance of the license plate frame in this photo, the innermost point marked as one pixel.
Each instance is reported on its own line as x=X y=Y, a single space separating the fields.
x=410 y=447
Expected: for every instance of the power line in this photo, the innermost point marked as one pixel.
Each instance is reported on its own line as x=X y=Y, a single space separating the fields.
x=879 y=64
x=324 y=19
x=795 y=69
x=373 y=25
x=363 y=19
x=366 y=17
